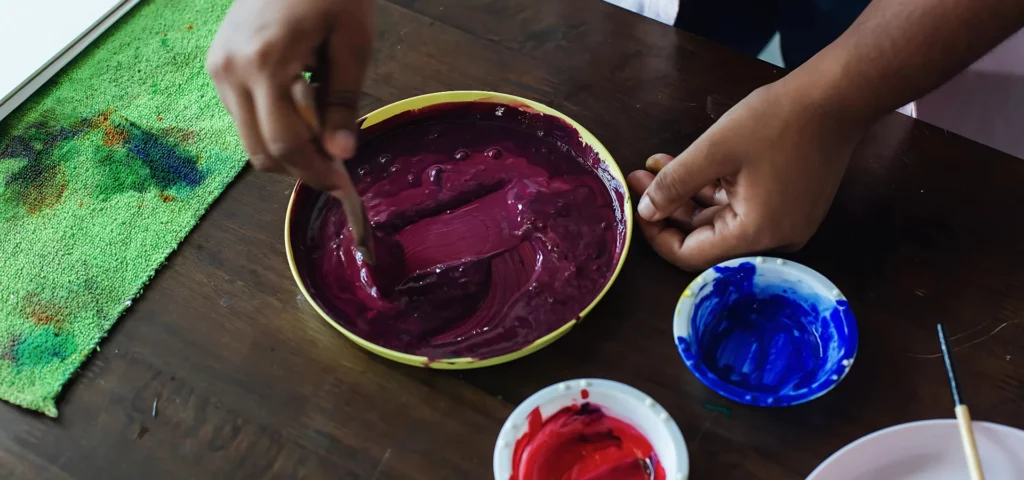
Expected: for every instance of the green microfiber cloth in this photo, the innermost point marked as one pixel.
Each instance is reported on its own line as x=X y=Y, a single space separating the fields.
x=102 y=174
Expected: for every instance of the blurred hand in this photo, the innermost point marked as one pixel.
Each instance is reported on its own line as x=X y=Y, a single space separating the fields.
x=256 y=62
x=761 y=178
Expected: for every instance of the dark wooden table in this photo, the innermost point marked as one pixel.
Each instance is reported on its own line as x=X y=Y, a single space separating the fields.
x=252 y=383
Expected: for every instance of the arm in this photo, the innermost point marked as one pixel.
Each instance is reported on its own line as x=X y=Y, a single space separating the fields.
x=898 y=50
x=763 y=177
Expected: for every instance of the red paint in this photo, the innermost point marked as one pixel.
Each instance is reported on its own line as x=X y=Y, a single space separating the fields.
x=585 y=394
x=583 y=443
x=491 y=231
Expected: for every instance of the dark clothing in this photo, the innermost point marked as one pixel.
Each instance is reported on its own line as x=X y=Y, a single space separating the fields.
x=805 y=26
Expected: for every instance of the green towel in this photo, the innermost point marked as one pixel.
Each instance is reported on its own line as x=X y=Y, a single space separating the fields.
x=102 y=174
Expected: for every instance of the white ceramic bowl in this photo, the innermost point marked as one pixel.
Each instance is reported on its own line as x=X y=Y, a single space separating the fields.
x=618 y=400
x=926 y=450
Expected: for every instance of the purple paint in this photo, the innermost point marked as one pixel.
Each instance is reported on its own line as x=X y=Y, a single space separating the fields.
x=493 y=225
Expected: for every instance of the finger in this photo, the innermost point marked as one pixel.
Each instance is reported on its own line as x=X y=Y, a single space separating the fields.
x=681 y=179
x=712 y=195
x=657 y=162
x=706 y=216
x=723 y=238
x=683 y=216
x=341 y=81
x=290 y=140
x=239 y=103
x=639 y=180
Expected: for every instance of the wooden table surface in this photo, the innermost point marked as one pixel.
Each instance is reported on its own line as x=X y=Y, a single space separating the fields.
x=927 y=227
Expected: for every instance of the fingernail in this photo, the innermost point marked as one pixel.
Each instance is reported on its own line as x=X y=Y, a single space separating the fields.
x=341 y=144
x=654 y=163
x=646 y=209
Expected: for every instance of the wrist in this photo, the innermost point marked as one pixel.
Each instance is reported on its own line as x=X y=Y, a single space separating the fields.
x=825 y=90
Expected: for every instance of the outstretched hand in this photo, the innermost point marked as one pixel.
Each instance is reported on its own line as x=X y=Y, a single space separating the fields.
x=761 y=178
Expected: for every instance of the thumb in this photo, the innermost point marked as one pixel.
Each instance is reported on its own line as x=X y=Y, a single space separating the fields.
x=338 y=94
x=679 y=180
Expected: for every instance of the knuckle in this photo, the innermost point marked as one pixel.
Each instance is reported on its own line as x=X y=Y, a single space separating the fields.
x=221 y=66
x=261 y=56
x=217 y=64
x=340 y=105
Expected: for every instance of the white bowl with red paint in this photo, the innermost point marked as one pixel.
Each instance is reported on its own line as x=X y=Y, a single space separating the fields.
x=615 y=399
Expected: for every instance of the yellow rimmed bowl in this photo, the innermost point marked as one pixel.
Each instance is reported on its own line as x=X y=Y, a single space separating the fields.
x=427 y=100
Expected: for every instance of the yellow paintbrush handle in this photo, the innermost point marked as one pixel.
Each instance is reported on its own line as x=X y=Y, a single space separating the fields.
x=963 y=420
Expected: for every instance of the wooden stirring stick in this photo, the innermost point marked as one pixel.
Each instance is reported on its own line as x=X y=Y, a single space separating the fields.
x=355 y=212
x=963 y=415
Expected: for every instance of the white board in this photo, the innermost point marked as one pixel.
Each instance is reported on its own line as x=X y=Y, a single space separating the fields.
x=39 y=37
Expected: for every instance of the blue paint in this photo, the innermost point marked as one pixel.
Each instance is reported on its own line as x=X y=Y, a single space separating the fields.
x=167 y=165
x=767 y=341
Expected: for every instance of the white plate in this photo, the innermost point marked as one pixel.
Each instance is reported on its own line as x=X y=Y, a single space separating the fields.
x=926 y=450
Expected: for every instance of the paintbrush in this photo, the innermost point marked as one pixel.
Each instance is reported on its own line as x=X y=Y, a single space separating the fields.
x=963 y=415
x=351 y=202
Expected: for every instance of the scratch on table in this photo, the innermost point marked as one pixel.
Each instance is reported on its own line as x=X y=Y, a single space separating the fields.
x=986 y=337
x=381 y=466
x=975 y=329
x=702 y=430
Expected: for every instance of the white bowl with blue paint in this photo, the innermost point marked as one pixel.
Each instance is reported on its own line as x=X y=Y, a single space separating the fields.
x=765 y=331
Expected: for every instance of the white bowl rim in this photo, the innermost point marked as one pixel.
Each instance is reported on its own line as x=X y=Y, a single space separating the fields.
x=628 y=402
x=684 y=310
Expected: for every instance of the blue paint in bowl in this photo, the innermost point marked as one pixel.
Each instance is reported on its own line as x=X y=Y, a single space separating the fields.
x=766 y=332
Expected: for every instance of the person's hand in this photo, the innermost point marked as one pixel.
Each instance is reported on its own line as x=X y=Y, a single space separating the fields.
x=257 y=60
x=761 y=178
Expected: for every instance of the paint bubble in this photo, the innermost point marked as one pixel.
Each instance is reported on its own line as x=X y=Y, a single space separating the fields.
x=461 y=155
x=363 y=170
x=434 y=175
x=494 y=153
x=384 y=160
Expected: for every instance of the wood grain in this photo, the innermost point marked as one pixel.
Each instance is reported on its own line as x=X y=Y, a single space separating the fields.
x=252 y=384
